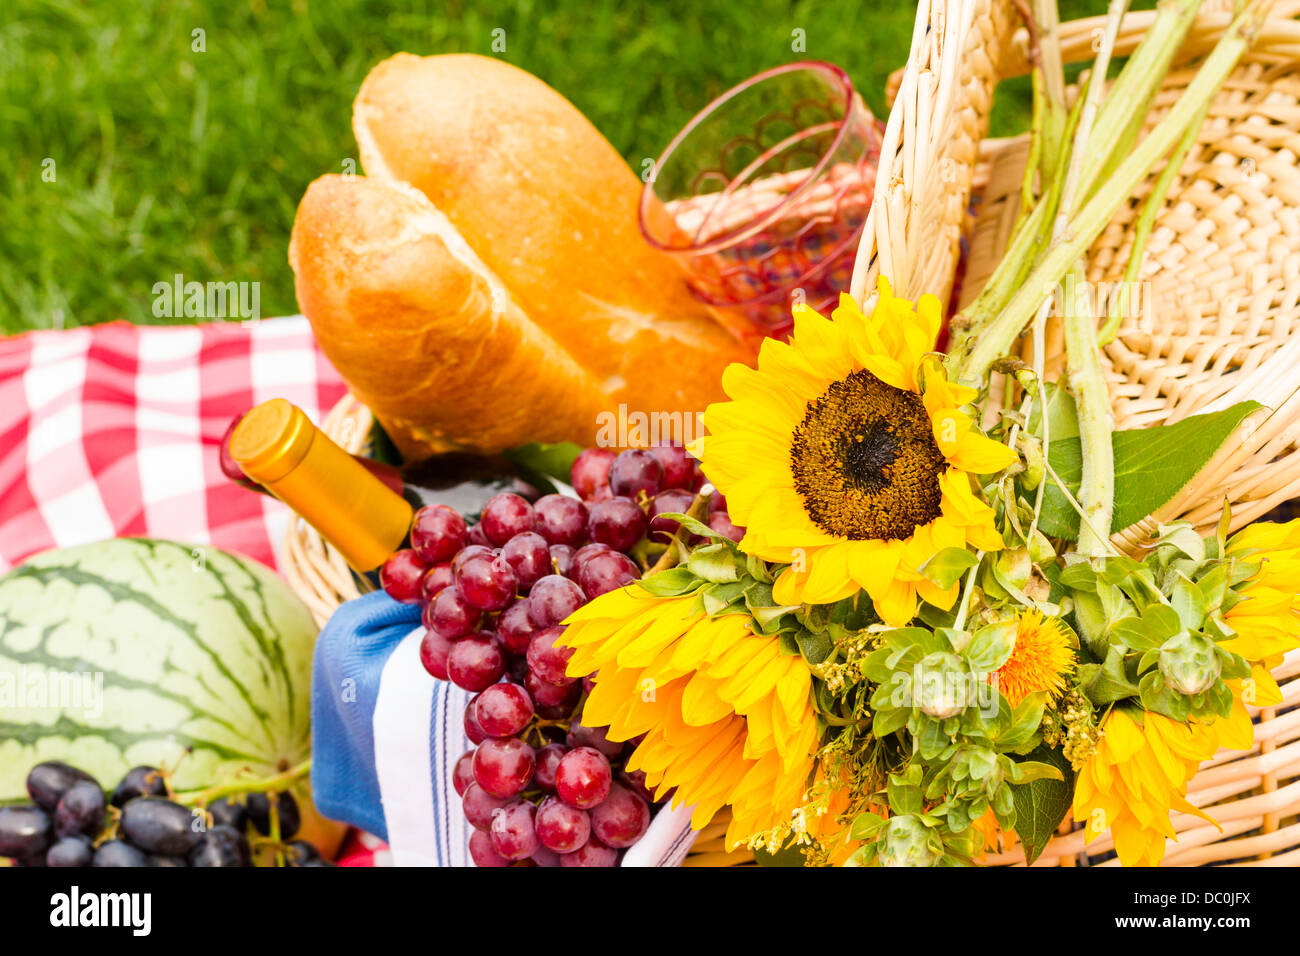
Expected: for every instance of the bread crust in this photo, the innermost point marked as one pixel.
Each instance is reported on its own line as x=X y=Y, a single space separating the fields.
x=427 y=337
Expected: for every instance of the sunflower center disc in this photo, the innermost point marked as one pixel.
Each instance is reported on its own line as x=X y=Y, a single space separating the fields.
x=865 y=461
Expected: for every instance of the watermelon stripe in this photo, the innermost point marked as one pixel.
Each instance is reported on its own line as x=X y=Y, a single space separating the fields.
x=111 y=678
x=122 y=592
x=29 y=734
x=270 y=648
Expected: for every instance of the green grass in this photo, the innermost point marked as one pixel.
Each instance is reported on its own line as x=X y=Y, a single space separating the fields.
x=169 y=160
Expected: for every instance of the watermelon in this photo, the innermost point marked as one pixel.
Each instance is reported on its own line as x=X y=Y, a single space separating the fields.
x=126 y=652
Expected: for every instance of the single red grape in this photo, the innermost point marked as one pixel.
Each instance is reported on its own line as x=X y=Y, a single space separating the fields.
x=679 y=467
x=548 y=760
x=621 y=819
x=506 y=515
x=437 y=533
x=552 y=599
x=487 y=582
x=618 y=522
x=581 y=735
x=581 y=556
x=503 y=710
x=561 y=520
x=515 y=628
x=477 y=537
x=547 y=659
x=437 y=579
x=462 y=775
x=482 y=852
x=479 y=805
x=603 y=573
x=400 y=576
x=434 y=649
x=720 y=522
x=562 y=559
x=503 y=766
x=529 y=557
x=635 y=472
x=717 y=502
x=676 y=502
x=473 y=731
x=451 y=615
x=544 y=857
x=560 y=827
x=593 y=853
x=634 y=780
x=475 y=662
x=590 y=472
x=552 y=701
x=583 y=778
x=513 y=833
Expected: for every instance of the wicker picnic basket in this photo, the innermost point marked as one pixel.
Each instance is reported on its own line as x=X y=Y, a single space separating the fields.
x=1223 y=272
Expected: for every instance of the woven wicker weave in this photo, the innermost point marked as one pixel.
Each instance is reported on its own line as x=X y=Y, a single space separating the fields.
x=1223 y=267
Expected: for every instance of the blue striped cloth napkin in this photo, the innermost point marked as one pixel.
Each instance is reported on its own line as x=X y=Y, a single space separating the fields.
x=386 y=735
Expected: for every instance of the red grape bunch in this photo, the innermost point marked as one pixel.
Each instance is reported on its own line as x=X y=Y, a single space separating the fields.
x=538 y=785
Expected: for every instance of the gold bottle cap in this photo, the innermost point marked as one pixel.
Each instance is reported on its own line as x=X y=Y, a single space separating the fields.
x=277 y=446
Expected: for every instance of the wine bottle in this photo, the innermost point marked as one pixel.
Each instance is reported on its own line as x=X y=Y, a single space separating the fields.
x=278 y=447
x=463 y=480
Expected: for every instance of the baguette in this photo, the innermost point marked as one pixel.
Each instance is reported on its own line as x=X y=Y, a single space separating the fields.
x=426 y=336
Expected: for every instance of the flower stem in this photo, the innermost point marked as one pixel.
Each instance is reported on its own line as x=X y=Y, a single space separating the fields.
x=1096 y=420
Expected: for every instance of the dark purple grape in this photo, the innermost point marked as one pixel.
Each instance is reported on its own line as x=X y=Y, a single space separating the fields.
x=259 y=813
x=301 y=853
x=139 y=782
x=437 y=533
x=603 y=573
x=228 y=812
x=561 y=520
x=119 y=853
x=618 y=522
x=222 y=846
x=81 y=810
x=401 y=575
x=552 y=599
x=529 y=557
x=504 y=516
x=635 y=472
x=70 y=851
x=155 y=825
x=47 y=782
x=589 y=474
x=25 y=831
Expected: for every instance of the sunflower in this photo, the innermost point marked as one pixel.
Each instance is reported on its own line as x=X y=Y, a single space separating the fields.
x=846 y=455
x=1141 y=768
x=727 y=716
x=1041 y=659
x=1267 y=622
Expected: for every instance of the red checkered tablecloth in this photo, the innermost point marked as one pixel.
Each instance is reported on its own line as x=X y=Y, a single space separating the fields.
x=112 y=430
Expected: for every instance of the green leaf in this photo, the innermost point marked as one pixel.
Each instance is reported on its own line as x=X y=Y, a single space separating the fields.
x=991 y=646
x=1062 y=413
x=815 y=647
x=1025 y=719
x=885 y=722
x=1151 y=466
x=1106 y=683
x=553 y=461
x=713 y=562
x=865 y=825
x=1042 y=804
x=671 y=583
x=946 y=568
x=1188 y=602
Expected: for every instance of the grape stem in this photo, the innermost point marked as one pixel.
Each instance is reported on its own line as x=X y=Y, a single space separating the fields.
x=670 y=558
x=280 y=781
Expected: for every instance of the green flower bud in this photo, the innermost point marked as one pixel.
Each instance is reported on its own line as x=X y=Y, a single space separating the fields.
x=1189 y=664
x=905 y=841
x=941 y=685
